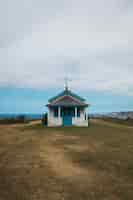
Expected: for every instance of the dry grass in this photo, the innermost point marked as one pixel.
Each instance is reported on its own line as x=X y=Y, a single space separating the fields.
x=94 y=163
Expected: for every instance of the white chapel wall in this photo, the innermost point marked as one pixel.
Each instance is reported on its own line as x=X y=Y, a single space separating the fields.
x=53 y=121
x=80 y=121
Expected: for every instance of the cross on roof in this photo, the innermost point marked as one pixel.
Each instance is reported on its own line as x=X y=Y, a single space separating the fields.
x=66 y=82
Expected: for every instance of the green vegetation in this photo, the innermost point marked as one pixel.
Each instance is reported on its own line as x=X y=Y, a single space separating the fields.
x=128 y=121
x=14 y=120
x=39 y=163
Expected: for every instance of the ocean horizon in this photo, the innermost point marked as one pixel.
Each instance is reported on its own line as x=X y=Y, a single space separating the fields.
x=14 y=115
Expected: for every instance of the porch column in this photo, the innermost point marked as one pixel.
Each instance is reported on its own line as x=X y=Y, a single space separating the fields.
x=59 y=111
x=76 y=112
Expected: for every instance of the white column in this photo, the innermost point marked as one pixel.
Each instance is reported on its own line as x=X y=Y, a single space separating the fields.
x=59 y=111
x=76 y=112
x=50 y=112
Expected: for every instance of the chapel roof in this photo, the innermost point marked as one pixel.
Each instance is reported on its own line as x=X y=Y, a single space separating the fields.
x=66 y=92
x=67 y=98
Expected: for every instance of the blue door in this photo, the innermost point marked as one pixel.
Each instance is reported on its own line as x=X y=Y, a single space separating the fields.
x=67 y=120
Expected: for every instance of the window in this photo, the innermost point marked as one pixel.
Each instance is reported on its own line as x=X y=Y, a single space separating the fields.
x=78 y=112
x=55 y=112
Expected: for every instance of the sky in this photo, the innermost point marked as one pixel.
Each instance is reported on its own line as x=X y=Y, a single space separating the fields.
x=42 y=42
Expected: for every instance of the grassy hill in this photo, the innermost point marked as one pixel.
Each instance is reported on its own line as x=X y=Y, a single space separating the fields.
x=39 y=163
x=128 y=121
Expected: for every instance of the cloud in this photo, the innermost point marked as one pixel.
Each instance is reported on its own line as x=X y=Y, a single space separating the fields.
x=89 y=41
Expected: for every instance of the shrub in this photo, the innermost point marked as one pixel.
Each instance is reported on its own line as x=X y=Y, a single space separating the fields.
x=45 y=119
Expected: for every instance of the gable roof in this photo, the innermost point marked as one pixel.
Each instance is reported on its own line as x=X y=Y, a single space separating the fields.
x=67 y=101
x=67 y=98
x=66 y=92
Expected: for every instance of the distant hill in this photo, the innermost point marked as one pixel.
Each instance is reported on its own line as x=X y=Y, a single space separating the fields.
x=117 y=115
x=122 y=115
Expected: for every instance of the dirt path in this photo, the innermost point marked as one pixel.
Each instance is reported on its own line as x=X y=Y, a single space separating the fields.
x=60 y=163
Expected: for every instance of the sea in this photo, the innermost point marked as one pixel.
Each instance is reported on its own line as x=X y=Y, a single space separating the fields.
x=28 y=116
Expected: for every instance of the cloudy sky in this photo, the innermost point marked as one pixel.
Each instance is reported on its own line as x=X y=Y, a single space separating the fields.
x=89 y=41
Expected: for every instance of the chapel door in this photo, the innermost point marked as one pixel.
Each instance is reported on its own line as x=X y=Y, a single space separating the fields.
x=67 y=116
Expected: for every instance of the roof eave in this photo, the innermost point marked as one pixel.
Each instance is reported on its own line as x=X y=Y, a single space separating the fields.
x=78 y=105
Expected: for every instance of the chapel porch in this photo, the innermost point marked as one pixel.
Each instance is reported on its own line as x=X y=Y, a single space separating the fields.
x=68 y=115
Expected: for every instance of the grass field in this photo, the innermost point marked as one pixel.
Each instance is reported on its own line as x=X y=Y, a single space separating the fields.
x=128 y=122
x=94 y=163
